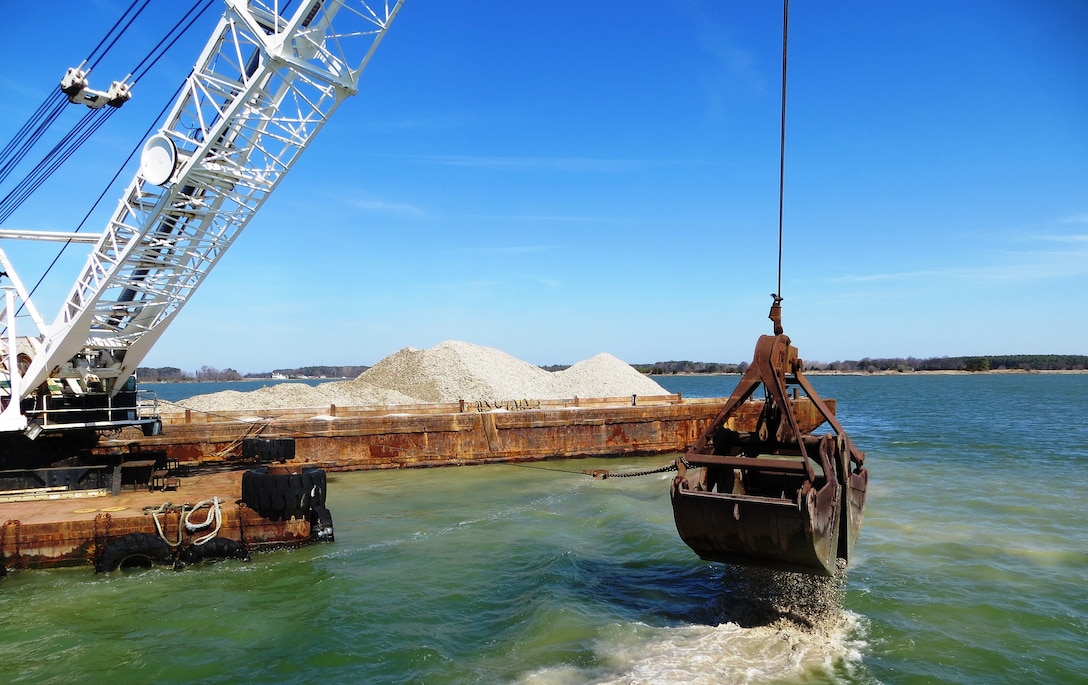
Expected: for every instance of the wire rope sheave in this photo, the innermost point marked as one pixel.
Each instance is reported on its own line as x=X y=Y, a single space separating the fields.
x=281 y=493
x=134 y=550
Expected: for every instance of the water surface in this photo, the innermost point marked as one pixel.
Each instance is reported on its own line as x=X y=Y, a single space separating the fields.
x=971 y=568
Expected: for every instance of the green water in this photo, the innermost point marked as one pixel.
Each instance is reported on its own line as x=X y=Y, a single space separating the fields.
x=972 y=568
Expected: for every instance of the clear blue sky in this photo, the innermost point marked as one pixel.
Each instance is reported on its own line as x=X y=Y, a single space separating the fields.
x=558 y=180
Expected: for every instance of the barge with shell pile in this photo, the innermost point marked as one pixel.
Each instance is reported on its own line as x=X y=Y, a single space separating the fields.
x=229 y=455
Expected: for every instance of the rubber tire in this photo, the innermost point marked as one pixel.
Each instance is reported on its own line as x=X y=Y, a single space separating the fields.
x=216 y=548
x=148 y=547
x=282 y=496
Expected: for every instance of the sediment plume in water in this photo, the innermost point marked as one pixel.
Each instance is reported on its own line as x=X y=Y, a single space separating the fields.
x=770 y=626
x=758 y=597
x=763 y=627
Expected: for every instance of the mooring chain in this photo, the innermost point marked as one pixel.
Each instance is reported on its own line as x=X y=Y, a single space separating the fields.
x=96 y=537
x=601 y=474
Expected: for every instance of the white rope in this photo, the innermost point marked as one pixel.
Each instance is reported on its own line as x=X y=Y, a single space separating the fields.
x=215 y=515
x=158 y=526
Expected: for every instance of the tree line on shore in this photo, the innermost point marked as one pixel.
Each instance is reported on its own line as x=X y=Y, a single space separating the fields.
x=1010 y=362
x=172 y=374
x=1013 y=362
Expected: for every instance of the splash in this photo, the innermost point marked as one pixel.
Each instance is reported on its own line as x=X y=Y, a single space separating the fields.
x=755 y=597
x=764 y=627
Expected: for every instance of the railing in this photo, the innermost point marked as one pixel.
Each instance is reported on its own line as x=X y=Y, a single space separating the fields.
x=96 y=410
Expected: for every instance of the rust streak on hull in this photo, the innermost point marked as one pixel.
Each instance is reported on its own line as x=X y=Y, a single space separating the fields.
x=447 y=434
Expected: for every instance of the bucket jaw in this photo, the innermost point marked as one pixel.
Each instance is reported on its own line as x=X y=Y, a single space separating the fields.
x=759 y=488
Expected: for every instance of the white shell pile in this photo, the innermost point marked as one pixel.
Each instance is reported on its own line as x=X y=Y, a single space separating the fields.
x=448 y=372
x=297 y=396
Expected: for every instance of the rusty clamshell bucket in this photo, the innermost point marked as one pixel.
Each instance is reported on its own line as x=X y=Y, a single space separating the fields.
x=759 y=488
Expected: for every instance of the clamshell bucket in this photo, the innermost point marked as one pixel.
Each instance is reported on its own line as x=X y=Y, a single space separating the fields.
x=759 y=488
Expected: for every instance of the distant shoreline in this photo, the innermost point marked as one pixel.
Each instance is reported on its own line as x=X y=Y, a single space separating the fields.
x=244 y=380
x=893 y=372
x=824 y=372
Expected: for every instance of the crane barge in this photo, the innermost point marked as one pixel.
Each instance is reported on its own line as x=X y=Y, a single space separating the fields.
x=763 y=490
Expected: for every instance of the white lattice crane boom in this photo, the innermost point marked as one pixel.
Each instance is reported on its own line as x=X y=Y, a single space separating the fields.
x=263 y=86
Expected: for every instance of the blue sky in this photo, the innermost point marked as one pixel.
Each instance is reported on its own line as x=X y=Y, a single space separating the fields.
x=562 y=179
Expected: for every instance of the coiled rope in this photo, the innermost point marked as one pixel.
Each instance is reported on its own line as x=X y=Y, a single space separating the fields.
x=215 y=515
x=162 y=509
x=213 y=518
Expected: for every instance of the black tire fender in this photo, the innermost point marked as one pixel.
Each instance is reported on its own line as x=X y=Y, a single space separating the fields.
x=277 y=495
x=216 y=548
x=134 y=549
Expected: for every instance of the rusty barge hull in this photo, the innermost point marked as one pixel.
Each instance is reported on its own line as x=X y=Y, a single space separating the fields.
x=346 y=439
x=71 y=532
x=80 y=540
x=77 y=529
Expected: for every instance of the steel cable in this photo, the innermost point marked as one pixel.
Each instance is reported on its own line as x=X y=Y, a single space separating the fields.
x=782 y=143
x=30 y=133
x=74 y=139
x=57 y=156
x=91 y=57
x=140 y=70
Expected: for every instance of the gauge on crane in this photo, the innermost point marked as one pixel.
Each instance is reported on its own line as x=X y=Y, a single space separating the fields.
x=158 y=159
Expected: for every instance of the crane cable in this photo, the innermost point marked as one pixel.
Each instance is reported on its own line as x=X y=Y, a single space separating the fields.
x=87 y=125
x=30 y=132
x=177 y=31
x=91 y=121
x=782 y=145
x=120 y=33
x=51 y=107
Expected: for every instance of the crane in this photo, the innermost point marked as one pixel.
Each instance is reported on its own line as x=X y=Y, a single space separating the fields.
x=264 y=85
